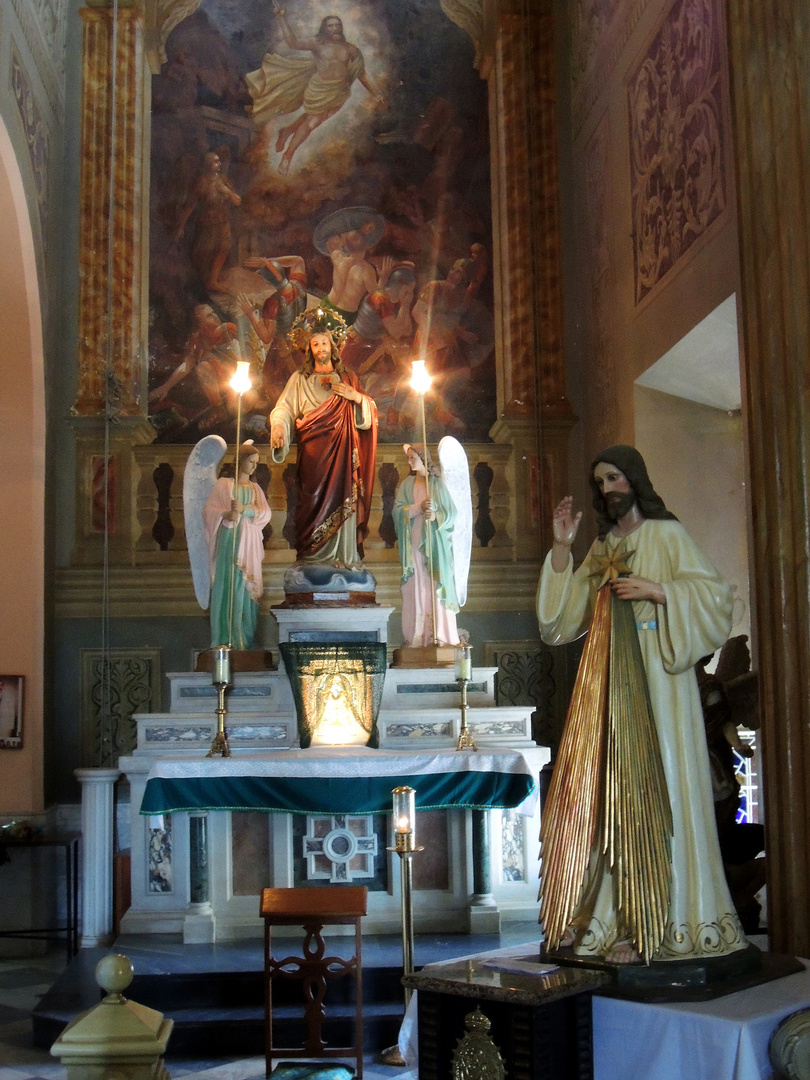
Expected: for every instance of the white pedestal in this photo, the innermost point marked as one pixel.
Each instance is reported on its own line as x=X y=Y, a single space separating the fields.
x=484 y=915
x=356 y=623
x=199 y=925
x=97 y=854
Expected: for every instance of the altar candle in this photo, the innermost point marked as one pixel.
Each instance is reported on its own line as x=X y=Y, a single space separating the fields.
x=404 y=811
x=222 y=665
x=463 y=664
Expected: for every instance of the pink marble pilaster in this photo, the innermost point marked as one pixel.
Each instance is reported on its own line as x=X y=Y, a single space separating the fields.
x=112 y=145
x=526 y=216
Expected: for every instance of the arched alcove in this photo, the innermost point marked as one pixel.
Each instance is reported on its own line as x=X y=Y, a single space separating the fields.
x=22 y=486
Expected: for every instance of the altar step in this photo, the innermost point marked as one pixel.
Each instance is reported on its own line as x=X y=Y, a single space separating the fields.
x=222 y=1013
x=215 y=995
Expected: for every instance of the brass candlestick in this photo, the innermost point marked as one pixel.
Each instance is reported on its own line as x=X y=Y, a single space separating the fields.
x=405 y=846
x=463 y=668
x=222 y=679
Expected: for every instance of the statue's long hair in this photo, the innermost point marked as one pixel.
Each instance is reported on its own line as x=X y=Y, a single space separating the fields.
x=629 y=461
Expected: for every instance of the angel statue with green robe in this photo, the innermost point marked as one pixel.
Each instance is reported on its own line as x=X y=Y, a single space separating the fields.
x=224 y=521
x=433 y=519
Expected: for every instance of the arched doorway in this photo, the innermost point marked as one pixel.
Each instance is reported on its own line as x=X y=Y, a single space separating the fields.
x=22 y=486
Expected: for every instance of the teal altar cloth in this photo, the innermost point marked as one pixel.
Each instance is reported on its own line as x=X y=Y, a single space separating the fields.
x=338 y=780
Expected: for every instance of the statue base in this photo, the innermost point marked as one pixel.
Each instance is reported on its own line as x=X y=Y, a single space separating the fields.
x=332 y=599
x=424 y=656
x=241 y=660
x=328 y=585
x=701 y=979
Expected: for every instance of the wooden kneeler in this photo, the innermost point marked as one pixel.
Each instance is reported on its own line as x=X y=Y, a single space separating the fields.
x=313 y=908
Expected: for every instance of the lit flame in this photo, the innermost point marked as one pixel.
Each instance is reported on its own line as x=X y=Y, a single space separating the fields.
x=403 y=824
x=420 y=379
x=241 y=379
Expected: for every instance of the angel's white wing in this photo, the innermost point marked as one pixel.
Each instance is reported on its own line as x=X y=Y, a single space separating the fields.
x=456 y=475
x=199 y=478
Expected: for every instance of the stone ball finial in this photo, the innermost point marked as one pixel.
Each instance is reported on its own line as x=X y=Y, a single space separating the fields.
x=114 y=973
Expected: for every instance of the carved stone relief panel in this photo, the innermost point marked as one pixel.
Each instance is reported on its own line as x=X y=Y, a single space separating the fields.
x=676 y=127
x=111 y=693
x=525 y=677
x=340 y=848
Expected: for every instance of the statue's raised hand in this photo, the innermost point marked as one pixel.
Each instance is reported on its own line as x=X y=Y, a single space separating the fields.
x=565 y=522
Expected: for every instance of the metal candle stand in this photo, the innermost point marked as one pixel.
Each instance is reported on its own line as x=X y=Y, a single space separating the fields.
x=463 y=671
x=222 y=680
x=405 y=846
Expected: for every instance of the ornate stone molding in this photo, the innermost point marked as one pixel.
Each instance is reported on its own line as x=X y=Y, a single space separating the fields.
x=44 y=26
x=37 y=136
x=602 y=60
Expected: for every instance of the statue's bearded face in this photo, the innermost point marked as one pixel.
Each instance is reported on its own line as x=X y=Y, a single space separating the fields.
x=321 y=347
x=616 y=490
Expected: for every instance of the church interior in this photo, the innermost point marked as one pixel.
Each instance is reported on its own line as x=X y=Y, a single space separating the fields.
x=591 y=219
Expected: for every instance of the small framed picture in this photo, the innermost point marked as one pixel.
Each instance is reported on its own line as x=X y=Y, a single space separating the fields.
x=11 y=712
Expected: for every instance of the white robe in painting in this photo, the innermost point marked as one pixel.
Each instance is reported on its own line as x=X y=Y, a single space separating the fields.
x=695 y=621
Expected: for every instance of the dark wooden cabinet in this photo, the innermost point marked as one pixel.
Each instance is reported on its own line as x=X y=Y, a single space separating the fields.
x=540 y=1024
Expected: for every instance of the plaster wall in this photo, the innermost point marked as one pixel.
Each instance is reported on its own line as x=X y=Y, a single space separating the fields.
x=694 y=454
x=22 y=487
x=624 y=160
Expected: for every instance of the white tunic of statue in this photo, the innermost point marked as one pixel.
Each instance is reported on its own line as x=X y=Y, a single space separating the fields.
x=695 y=621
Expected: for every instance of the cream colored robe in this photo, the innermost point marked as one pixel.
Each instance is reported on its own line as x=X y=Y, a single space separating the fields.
x=694 y=622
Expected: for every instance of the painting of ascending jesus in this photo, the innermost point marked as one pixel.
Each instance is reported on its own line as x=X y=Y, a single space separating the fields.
x=308 y=156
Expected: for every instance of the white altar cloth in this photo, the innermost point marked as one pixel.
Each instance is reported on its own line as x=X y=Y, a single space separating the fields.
x=724 y=1039
x=306 y=768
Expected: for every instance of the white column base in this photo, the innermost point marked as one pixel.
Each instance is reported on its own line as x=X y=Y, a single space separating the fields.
x=199 y=925
x=484 y=915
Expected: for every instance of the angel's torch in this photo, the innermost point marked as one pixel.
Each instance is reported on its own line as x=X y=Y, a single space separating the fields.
x=241 y=384
x=420 y=382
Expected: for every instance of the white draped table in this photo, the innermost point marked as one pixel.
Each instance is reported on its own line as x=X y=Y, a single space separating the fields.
x=724 y=1039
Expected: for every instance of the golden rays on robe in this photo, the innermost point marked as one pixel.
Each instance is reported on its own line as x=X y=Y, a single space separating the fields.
x=612 y=802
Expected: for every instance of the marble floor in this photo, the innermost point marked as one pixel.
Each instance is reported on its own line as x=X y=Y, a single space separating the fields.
x=23 y=981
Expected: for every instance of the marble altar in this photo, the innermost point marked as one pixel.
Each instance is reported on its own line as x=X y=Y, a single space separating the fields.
x=201 y=873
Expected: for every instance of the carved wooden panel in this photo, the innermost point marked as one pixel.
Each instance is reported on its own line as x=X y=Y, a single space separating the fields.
x=677 y=157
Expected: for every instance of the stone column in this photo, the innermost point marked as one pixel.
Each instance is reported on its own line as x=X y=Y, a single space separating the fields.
x=485 y=918
x=199 y=925
x=97 y=855
x=113 y=147
x=769 y=55
x=520 y=70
